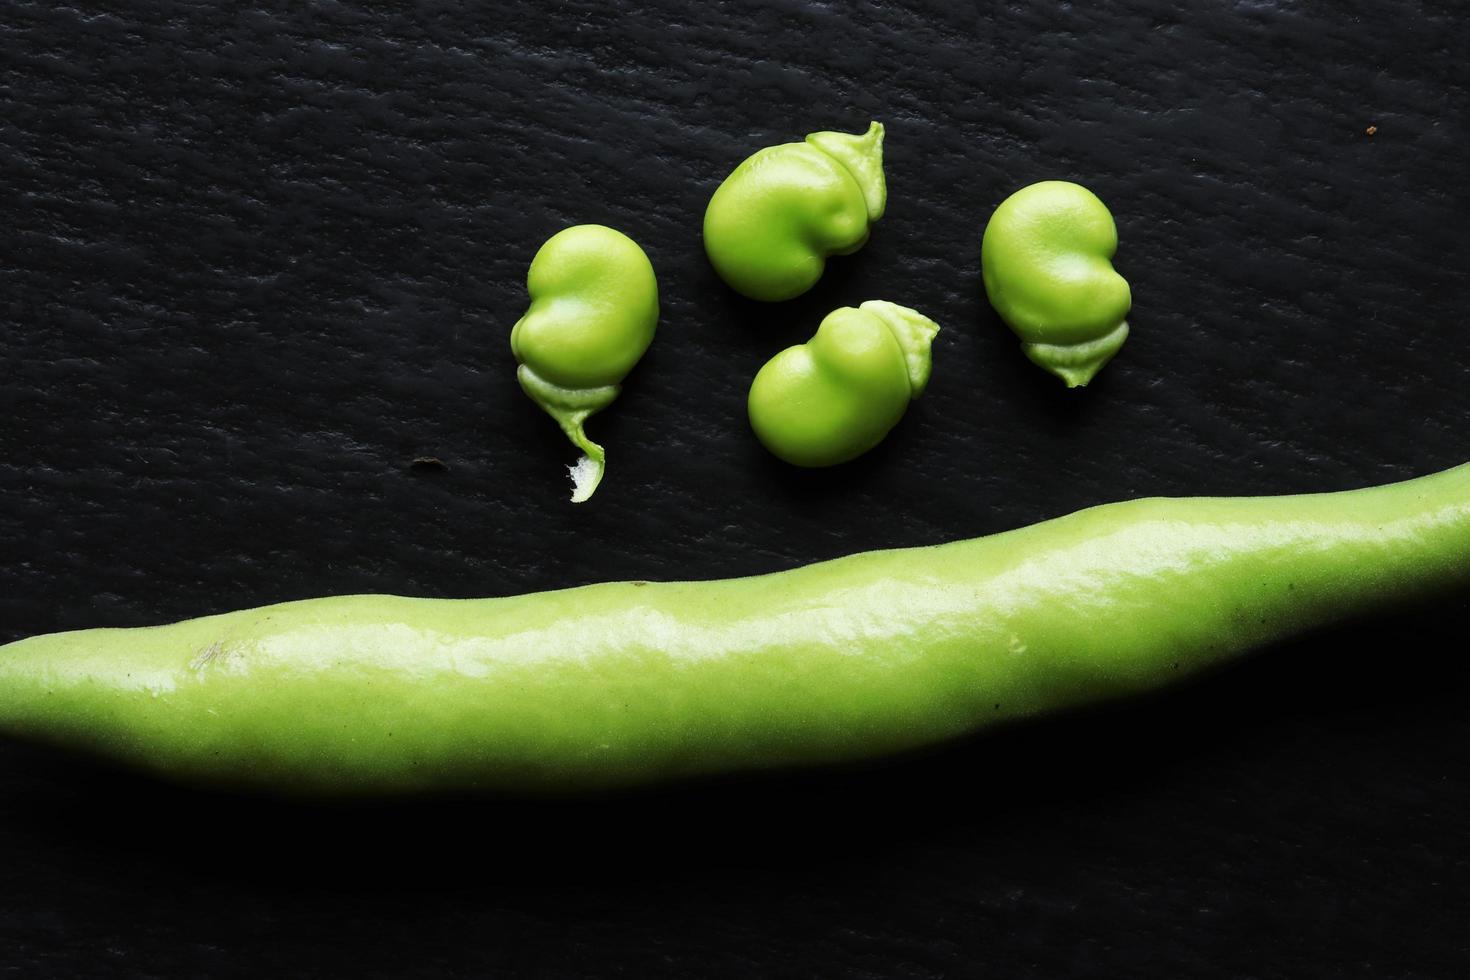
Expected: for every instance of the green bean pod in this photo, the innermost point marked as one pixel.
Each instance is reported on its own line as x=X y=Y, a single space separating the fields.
x=594 y=310
x=630 y=683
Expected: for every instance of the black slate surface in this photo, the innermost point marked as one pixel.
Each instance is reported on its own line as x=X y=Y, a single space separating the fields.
x=258 y=258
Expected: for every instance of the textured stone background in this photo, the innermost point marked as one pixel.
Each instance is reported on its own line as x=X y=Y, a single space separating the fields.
x=256 y=258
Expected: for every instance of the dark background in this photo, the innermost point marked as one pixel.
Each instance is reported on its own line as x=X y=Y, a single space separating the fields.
x=257 y=259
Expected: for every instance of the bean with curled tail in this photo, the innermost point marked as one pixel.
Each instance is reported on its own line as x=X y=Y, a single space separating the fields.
x=594 y=310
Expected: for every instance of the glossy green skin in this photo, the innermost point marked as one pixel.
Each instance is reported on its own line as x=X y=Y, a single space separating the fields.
x=594 y=310
x=771 y=225
x=835 y=397
x=631 y=683
x=1047 y=263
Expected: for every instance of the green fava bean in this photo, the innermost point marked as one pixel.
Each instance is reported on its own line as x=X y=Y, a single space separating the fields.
x=594 y=309
x=836 y=396
x=1046 y=259
x=629 y=683
x=771 y=225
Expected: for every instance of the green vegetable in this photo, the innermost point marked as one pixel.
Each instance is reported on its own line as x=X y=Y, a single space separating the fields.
x=836 y=396
x=629 y=683
x=774 y=221
x=594 y=308
x=1046 y=258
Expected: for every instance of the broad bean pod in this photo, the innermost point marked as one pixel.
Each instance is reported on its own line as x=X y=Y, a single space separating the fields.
x=630 y=683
